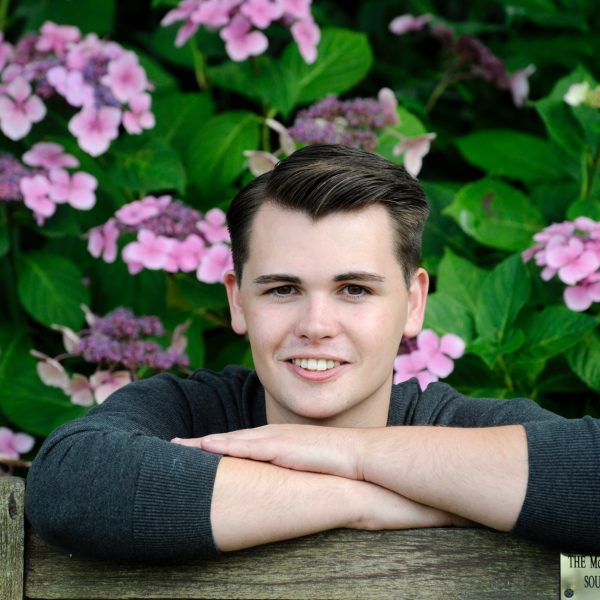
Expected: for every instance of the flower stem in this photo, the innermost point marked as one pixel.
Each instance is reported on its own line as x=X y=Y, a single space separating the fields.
x=199 y=65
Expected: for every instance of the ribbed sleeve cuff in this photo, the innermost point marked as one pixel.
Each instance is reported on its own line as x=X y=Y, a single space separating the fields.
x=562 y=505
x=171 y=519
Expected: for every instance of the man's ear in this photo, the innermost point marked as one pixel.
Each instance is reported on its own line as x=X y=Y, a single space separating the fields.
x=238 y=320
x=417 y=300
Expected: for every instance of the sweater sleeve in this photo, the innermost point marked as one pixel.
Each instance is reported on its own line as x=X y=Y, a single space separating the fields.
x=112 y=485
x=562 y=503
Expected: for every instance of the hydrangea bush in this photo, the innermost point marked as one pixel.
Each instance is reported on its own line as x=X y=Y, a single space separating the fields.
x=126 y=131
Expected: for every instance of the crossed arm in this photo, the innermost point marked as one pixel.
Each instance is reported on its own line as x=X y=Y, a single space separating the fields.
x=283 y=481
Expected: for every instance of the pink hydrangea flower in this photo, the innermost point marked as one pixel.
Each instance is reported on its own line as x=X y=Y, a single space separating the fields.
x=49 y=156
x=215 y=263
x=389 y=105
x=71 y=85
x=104 y=383
x=570 y=250
x=36 y=196
x=150 y=250
x=55 y=38
x=518 y=84
x=414 y=149
x=19 y=109
x=580 y=297
x=102 y=241
x=185 y=255
x=260 y=162
x=261 y=12
x=572 y=261
x=139 y=116
x=307 y=35
x=80 y=390
x=214 y=227
x=12 y=444
x=214 y=13
x=414 y=364
x=183 y=12
x=299 y=9
x=126 y=79
x=77 y=189
x=240 y=41
x=136 y=212
x=431 y=360
x=50 y=371
x=95 y=128
x=405 y=23
x=286 y=141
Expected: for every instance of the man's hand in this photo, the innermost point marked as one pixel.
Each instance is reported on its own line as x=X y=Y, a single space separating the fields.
x=331 y=450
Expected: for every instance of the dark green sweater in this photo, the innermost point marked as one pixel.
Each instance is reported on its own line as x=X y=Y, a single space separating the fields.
x=112 y=485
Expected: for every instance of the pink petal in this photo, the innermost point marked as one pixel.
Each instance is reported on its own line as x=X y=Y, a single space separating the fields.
x=23 y=442
x=452 y=345
x=428 y=341
x=577 y=298
x=439 y=364
x=425 y=378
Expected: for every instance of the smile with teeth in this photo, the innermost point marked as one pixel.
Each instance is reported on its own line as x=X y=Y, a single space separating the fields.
x=315 y=364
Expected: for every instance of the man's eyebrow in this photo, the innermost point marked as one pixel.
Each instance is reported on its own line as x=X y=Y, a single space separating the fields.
x=276 y=278
x=364 y=276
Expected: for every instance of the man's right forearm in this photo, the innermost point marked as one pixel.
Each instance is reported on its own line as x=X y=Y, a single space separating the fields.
x=256 y=503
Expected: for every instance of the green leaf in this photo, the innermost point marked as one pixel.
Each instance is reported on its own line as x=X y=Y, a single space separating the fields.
x=408 y=126
x=560 y=123
x=512 y=154
x=496 y=214
x=554 y=330
x=490 y=349
x=134 y=162
x=546 y=13
x=97 y=17
x=261 y=79
x=445 y=314
x=461 y=279
x=504 y=292
x=584 y=359
x=25 y=400
x=200 y=296
x=51 y=290
x=215 y=157
x=113 y=286
x=175 y=111
x=344 y=58
x=441 y=230
x=585 y=208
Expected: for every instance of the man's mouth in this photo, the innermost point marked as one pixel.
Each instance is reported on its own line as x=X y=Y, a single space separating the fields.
x=315 y=364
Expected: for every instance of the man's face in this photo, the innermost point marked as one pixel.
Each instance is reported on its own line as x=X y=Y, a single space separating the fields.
x=325 y=304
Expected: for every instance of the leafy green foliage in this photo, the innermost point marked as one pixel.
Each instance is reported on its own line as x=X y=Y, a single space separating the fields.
x=495 y=176
x=51 y=289
x=496 y=214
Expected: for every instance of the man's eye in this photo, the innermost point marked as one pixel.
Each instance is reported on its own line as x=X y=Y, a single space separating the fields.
x=356 y=291
x=282 y=290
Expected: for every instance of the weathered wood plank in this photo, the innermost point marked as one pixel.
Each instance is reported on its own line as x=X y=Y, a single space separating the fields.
x=12 y=533
x=470 y=564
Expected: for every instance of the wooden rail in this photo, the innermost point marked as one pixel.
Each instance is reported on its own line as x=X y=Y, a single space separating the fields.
x=470 y=564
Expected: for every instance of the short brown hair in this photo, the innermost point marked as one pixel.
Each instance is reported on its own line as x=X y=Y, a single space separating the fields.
x=322 y=179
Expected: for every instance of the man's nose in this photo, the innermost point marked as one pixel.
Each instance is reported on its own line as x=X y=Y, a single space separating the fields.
x=318 y=318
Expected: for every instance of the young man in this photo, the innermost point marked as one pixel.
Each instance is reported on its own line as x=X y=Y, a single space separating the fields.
x=326 y=282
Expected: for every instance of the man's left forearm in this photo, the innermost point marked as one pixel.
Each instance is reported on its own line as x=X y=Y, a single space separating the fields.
x=479 y=474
